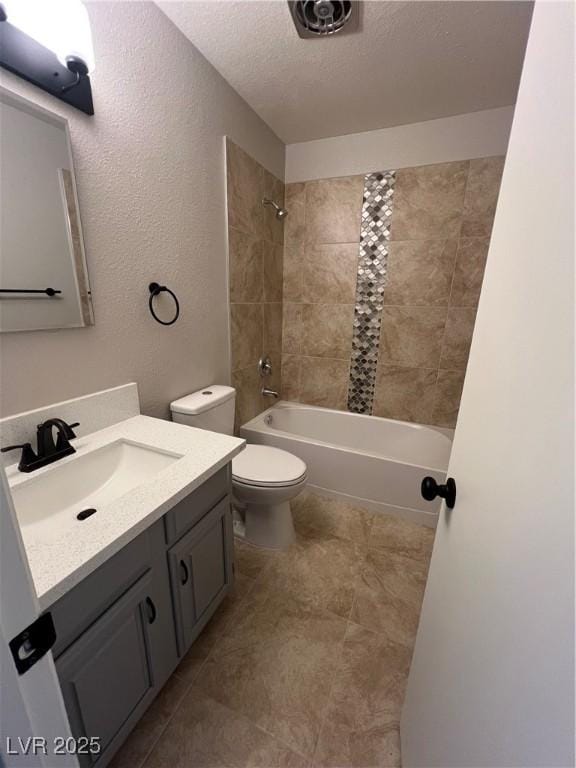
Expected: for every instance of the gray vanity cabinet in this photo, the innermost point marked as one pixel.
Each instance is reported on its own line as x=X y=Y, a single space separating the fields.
x=122 y=630
x=201 y=572
x=107 y=675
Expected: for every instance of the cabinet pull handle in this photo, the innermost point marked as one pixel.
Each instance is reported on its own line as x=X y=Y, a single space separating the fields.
x=151 y=610
x=185 y=574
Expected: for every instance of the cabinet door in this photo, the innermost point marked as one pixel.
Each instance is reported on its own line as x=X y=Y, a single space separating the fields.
x=106 y=675
x=201 y=572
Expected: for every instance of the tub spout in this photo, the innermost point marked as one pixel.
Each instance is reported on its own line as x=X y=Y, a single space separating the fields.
x=269 y=393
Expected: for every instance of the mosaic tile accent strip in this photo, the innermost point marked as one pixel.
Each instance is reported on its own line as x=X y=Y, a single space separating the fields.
x=370 y=284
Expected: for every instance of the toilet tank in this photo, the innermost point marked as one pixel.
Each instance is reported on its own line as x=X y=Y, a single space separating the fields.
x=209 y=408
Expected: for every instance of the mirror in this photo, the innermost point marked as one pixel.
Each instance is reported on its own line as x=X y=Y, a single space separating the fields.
x=43 y=273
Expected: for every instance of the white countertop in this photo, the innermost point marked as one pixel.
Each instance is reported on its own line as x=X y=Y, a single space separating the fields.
x=59 y=564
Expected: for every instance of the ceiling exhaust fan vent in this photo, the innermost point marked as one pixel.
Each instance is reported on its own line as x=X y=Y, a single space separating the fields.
x=319 y=18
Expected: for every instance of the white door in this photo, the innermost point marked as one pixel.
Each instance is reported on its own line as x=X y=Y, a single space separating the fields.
x=32 y=714
x=492 y=679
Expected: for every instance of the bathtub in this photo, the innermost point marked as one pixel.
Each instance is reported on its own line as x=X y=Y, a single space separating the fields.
x=374 y=463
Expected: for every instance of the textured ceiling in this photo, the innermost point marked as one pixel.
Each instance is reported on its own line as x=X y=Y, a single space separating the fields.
x=410 y=61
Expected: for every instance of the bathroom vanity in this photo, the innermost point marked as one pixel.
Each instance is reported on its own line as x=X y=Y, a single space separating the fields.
x=123 y=629
x=130 y=585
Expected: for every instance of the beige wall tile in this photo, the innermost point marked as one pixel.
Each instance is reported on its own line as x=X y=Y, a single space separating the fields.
x=292 y=328
x=412 y=336
x=334 y=210
x=429 y=270
x=294 y=225
x=329 y=273
x=292 y=264
x=469 y=271
x=273 y=329
x=249 y=402
x=324 y=382
x=420 y=272
x=273 y=257
x=406 y=394
x=245 y=191
x=428 y=201
x=256 y=276
x=246 y=266
x=273 y=227
x=457 y=337
x=291 y=377
x=447 y=398
x=295 y=193
x=327 y=330
x=247 y=326
x=481 y=196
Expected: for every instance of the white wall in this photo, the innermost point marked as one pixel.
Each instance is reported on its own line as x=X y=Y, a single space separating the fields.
x=150 y=174
x=477 y=134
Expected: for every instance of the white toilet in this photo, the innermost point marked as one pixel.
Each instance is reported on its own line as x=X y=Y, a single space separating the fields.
x=264 y=479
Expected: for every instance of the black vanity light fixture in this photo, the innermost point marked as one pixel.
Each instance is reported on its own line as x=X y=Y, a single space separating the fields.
x=49 y=43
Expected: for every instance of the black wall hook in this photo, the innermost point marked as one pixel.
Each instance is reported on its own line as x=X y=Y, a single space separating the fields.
x=155 y=289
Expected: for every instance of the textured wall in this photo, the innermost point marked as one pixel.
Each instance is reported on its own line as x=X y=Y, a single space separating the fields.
x=255 y=246
x=150 y=171
x=440 y=229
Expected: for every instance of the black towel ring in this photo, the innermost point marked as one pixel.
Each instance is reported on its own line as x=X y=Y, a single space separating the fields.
x=155 y=289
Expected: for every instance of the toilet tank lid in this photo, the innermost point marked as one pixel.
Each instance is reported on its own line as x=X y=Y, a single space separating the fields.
x=203 y=399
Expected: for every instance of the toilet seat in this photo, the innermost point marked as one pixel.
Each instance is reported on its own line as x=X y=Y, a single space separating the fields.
x=266 y=467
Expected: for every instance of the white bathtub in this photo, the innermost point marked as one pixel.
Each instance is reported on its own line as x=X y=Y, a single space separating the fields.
x=375 y=463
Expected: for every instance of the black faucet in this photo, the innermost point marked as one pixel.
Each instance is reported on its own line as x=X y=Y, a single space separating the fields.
x=48 y=451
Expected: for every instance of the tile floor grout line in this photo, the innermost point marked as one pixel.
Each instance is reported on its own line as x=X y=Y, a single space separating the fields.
x=226 y=706
x=186 y=691
x=338 y=668
x=169 y=720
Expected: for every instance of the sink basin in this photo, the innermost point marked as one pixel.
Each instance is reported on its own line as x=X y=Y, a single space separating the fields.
x=50 y=502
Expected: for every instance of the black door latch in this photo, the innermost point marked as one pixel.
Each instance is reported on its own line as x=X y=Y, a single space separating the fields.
x=33 y=642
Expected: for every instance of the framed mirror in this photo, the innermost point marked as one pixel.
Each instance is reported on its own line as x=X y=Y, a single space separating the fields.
x=43 y=272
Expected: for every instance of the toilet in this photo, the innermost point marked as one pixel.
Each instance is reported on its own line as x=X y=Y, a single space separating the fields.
x=264 y=479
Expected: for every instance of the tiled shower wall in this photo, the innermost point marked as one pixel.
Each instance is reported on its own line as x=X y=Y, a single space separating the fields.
x=437 y=234
x=255 y=246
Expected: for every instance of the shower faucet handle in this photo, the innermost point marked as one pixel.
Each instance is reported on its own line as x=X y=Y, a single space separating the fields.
x=265 y=366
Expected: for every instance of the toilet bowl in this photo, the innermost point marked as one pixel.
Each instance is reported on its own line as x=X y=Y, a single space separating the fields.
x=264 y=479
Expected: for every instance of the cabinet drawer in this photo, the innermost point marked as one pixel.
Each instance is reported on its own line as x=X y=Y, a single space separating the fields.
x=77 y=609
x=106 y=675
x=201 y=572
x=190 y=510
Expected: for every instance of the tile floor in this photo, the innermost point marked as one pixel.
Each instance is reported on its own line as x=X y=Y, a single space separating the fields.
x=305 y=663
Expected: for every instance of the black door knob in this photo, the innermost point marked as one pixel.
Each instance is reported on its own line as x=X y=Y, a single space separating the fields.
x=430 y=489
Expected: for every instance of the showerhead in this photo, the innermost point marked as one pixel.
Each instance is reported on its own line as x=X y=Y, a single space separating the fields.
x=281 y=213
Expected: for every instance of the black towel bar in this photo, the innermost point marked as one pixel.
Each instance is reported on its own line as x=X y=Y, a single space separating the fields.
x=47 y=291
